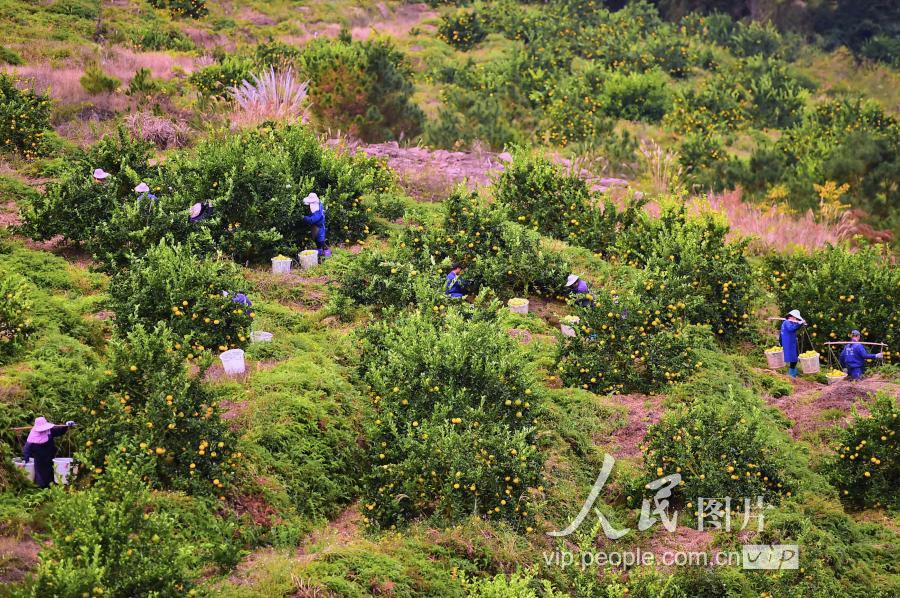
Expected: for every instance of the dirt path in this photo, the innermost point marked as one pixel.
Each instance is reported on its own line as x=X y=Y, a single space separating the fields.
x=813 y=406
x=642 y=412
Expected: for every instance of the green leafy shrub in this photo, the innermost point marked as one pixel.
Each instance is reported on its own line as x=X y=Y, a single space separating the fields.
x=24 y=116
x=722 y=445
x=838 y=291
x=636 y=96
x=881 y=48
x=364 y=88
x=629 y=343
x=277 y=55
x=156 y=37
x=690 y=263
x=539 y=195
x=214 y=80
x=257 y=180
x=74 y=204
x=147 y=405
x=96 y=81
x=497 y=254
x=192 y=9
x=866 y=468
x=8 y=56
x=384 y=279
x=845 y=141
x=143 y=83
x=15 y=312
x=112 y=539
x=463 y=29
x=194 y=297
x=453 y=421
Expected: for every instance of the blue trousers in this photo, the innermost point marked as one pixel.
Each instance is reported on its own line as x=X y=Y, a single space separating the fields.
x=855 y=373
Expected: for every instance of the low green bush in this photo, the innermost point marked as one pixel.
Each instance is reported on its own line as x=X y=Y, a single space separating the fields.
x=837 y=291
x=636 y=96
x=452 y=428
x=866 y=467
x=15 y=313
x=463 y=29
x=722 y=444
x=111 y=539
x=192 y=9
x=304 y=434
x=214 y=80
x=539 y=195
x=74 y=205
x=691 y=264
x=363 y=88
x=497 y=254
x=157 y=37
x=8 y=56
x=147 y=405
x=96 y=81
x=630 y=343
x=195 y=297
x=24 y=116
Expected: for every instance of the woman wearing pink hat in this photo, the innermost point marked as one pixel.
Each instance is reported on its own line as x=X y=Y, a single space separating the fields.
x=40 y=447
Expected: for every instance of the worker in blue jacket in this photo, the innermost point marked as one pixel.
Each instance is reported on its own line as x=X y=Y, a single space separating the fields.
x=789 y=328
x=316 y=220
x=454 y=283
x=854 y=357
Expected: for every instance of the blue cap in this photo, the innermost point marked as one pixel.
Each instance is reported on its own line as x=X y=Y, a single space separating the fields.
x=855 y=333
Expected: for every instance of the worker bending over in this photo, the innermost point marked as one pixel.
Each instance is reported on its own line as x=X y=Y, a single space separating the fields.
x=854 y=357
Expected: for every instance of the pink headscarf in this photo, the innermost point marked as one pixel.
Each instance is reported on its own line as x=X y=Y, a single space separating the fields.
x=40 y=432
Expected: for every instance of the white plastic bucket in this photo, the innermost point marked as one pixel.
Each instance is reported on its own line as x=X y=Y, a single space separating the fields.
x=63 y=467
x=233 y=361
x=776 y=360
x=567 y=326
x=809 y=365
x=260 y=336
x=28 y=468
x=309 y=259
x=281 y=266
x=518 y=309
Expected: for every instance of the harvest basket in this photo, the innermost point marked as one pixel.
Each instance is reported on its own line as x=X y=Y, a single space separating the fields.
x=809 y=364
x=518 y=305
x=233 y=361
x=309 y=259
x=775 y=358
x=260 y=336
x=281 y=265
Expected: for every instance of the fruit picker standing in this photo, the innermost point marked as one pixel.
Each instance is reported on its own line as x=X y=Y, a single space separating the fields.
x=854 y=356
x=580 y=290
x=454 y=285
x=788 y=337
x=316 y=220
x=40 y=446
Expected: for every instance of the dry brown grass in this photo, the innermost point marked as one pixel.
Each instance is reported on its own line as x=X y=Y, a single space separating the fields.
x=162 y=132
x=774 y=229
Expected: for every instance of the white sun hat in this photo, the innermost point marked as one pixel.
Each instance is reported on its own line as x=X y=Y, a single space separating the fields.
x=142 y=188
x=572 y=279
x=100 y=174
x=311 y=199
x=795 y=313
